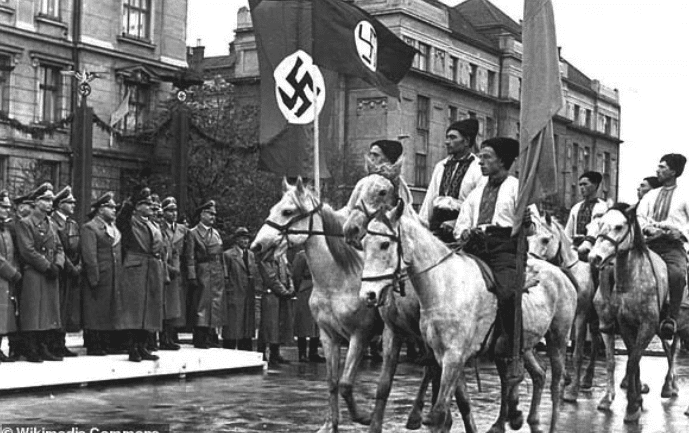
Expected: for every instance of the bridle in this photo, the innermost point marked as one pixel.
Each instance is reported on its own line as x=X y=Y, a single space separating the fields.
x=615 y=243
x=285 y=229
x=399 y=275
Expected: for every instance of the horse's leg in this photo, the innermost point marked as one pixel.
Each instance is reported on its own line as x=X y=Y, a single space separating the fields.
x=440 y=416
x=435 y=373
x=587 y=381
x=357 y=343
x=414 y=418
x=331 y=350
x=499 y=424
x=670 y=386
x=638 y=343
x=606 y=401
x=537 y=373
x=572 y=391
x=557 y=349
x=464 y=404
x=392 y=342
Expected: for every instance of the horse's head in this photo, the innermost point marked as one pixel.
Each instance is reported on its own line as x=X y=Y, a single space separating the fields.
x=289 y=221
x=371 y=193
x=382 y=255
x=592 y=230
x=545 y=243
x=614 y=233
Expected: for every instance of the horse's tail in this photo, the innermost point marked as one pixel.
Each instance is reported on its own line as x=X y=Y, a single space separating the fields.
x=571 y=278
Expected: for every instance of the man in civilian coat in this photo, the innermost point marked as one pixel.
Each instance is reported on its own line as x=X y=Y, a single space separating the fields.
x=206 y=276
x=43 y=259
x=102 y=261
x=70 y=277
x=243 y=279
x=140 y=304
x=304 y=324
x=9 y=275
x=175 y=291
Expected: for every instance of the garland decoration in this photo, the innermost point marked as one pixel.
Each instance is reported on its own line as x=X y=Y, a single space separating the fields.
x=146 y=135
x=235 y=149
x=37 y=130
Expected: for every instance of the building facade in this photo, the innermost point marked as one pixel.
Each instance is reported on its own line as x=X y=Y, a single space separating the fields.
x=468 y=65
x=132 y=45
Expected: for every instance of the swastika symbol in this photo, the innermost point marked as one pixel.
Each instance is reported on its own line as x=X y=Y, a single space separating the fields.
x=299 y=87
x=366 y=41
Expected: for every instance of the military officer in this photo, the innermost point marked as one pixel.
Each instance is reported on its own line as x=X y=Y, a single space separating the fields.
x=175 y=292
x=10 y=275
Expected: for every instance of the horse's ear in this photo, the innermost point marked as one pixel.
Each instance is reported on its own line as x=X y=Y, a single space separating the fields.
x=398 y=210
x=548 y=218
x=300 y=185
x=397 y=167
x=285 y=185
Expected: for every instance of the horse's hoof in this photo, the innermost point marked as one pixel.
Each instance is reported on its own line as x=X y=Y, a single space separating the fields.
x=516 y=420
x=500 y=428
x=668 y=391
x=427 y=420
x=570 y=395
x=326 y=428
x=413 y=423
x=604 y=405
x=632 y=417
x=362 y=419
x=686 y=412
x=586 y=383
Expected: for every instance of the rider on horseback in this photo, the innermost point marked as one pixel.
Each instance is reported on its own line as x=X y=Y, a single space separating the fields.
x=485 y=225
x=663 y=214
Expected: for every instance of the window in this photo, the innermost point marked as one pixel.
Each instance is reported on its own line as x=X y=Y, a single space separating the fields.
x=491 y=83
x=575 y=170
x=587 y=158
x=607 y=171
x=439 y=66
x=472 y=115
x=4 y=164
x=587 y=120
x=490 y=127
x=473 y=75
x=451 y=114
x=576 y=114
x=50 y=8
x=5 y=71
x=47 y=171
x=454 y=68
x=608 y=125
x=139 y=104
x=420 y=172
x=136 y=15
x=423 y=107
x=50 y=93
x=422 y=55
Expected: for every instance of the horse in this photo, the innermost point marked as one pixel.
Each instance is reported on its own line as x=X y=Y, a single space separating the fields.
x=634 y=302
x=458 y=313
x=670 y=387
x=550 y=243
x=401 y=314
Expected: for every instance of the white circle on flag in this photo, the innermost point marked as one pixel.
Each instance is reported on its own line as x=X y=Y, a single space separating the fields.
x=366 y=41
x=298 y=85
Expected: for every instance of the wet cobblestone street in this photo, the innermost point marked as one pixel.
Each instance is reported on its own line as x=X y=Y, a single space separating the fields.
x=292 y=398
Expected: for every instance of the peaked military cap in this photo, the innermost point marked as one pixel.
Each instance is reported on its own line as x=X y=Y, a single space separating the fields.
x=208 y=206
x=169 y=203
x=142 y=196
x=155 y=201
x=23 y=199
x=42 y=192
x=107 y=198
x=64 y=196
x=5 y=198
x=242 y=232
x=466 y=127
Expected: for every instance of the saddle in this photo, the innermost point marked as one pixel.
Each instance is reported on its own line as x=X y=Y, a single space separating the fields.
x=486 y=273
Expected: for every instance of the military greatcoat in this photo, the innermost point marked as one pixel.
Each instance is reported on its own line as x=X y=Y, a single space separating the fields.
x=8 y=271
x=176 y=291
x=140 y=304
x=102 y=260
x=277 y=305
x=70 y=277
x=205 y=266
x=241 y=294
x=304 y=325
x=39 y=247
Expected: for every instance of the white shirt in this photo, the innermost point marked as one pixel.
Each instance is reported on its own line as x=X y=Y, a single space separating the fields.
x=598 y=210
x=505 y=206
x=471 y=180
x=677 y=217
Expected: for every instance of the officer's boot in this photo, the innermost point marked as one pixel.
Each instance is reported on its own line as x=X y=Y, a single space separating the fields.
x=313 y=350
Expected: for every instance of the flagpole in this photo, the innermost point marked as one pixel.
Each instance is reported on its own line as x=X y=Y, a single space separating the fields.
x=316 y=150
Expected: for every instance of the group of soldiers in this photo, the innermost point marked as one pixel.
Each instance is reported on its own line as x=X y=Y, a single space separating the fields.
x=133 y=276
x=472 y=200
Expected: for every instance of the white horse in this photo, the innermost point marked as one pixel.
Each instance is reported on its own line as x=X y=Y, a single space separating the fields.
x=550 y=243
x=457 y=312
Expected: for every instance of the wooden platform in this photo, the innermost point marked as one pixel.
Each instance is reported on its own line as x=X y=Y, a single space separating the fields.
x=84 y=370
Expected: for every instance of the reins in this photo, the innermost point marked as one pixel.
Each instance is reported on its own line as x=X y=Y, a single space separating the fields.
x=286 y=230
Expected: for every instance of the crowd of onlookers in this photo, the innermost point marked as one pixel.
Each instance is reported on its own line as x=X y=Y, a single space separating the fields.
x=132 y=277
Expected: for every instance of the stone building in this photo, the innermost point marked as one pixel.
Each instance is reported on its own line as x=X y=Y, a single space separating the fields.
x=469 y=65
x=132 y=44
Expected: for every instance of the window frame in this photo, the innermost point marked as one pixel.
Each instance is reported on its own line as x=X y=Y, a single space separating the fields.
x=5 y=81
x=55 y=89
x=142 y=8
x=139 y=110
x=50 y=9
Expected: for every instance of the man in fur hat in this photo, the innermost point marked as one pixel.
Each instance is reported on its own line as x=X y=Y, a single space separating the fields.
x=590 y=207
x=453 y=179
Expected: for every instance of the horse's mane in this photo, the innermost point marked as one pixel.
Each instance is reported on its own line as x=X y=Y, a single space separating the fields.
x=629 y=213
x=344 y=255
